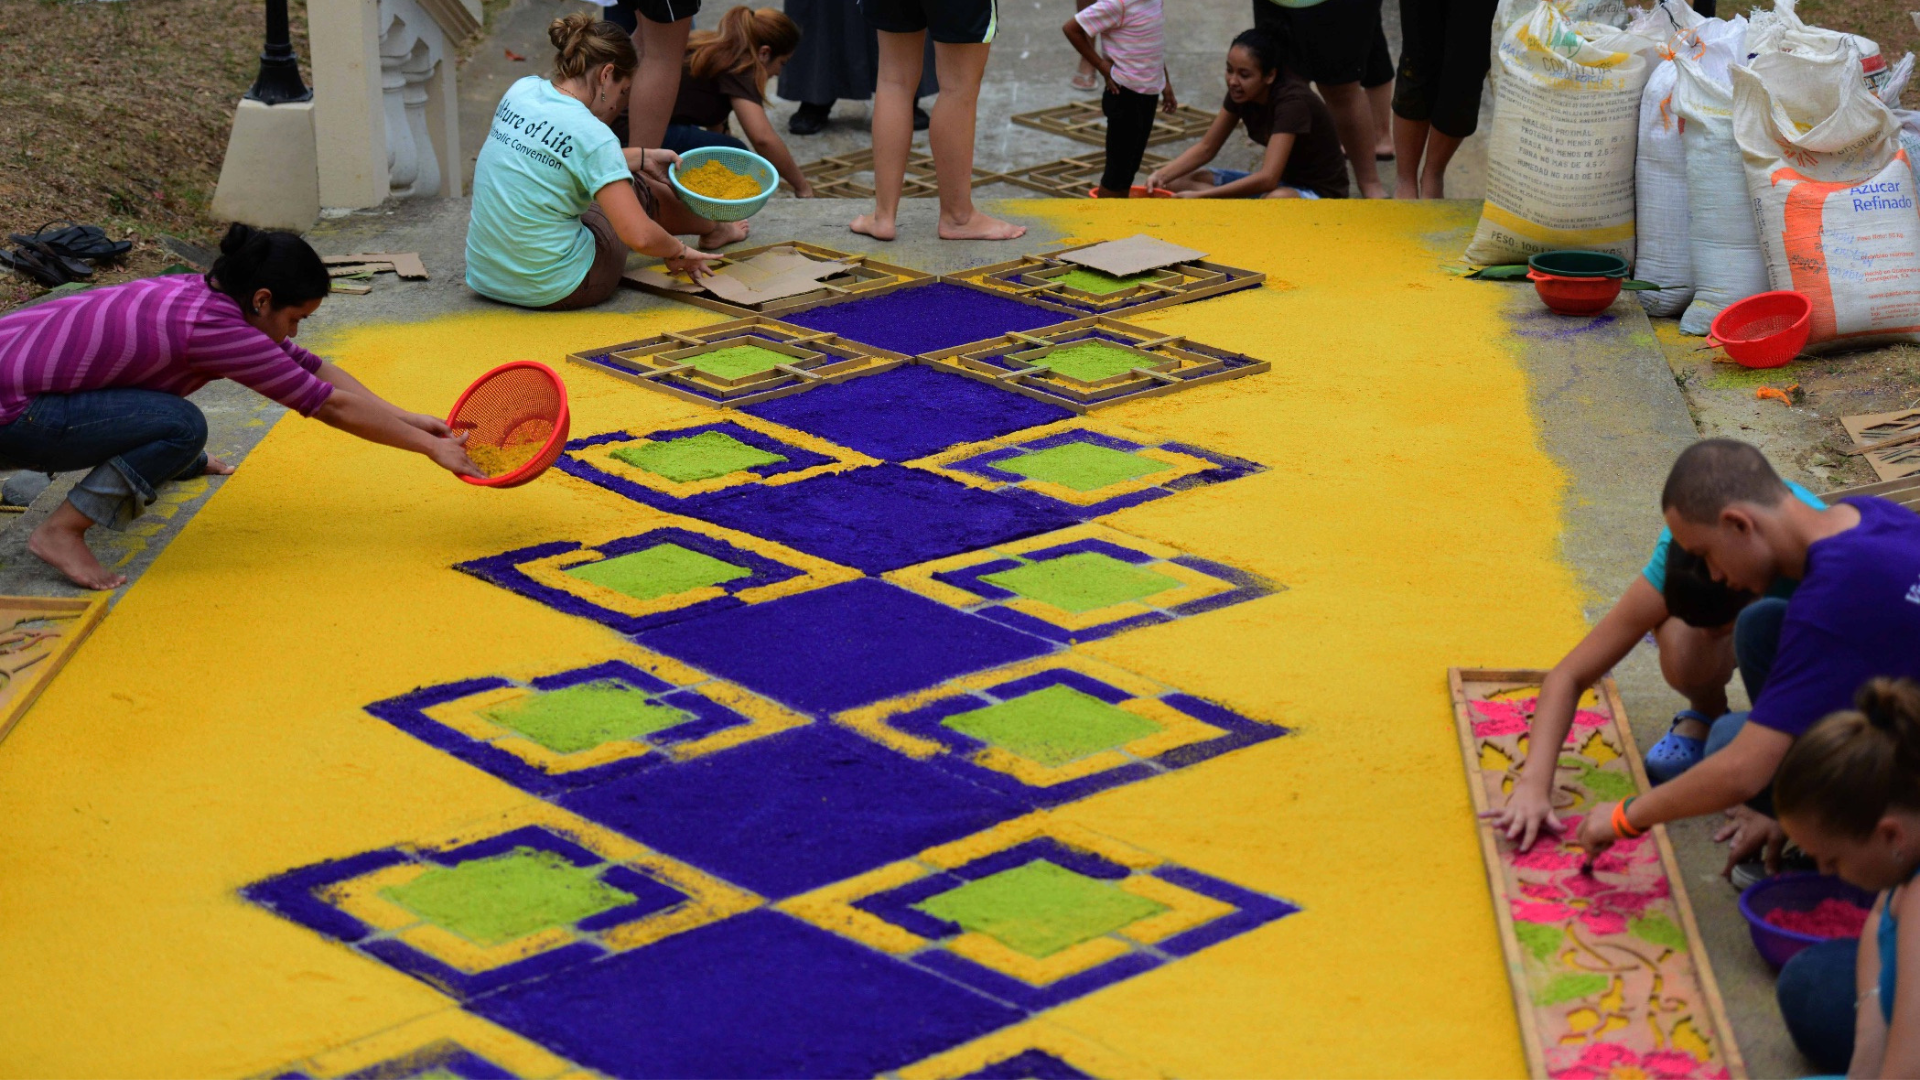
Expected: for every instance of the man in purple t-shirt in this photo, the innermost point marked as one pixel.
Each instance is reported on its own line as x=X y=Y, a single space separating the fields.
x=1856 y=615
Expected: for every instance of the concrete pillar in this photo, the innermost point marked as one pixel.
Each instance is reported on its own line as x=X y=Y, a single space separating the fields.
x=350 y=123
x=270 y=177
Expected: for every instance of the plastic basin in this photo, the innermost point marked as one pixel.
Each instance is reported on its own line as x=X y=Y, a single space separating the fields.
x=1793 y=892
x=744 y=162
x=1765 y=330
x=1579 y=264
x=1574 y=295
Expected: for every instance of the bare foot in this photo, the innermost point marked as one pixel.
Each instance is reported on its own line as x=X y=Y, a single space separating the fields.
x=63 y=546
x=875 y=226
x=1375 y=190
x=217 y=467
x=724 y=233
x=1407 y=189
x=981 y=227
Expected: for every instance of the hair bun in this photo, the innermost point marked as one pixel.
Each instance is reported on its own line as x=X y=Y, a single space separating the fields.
x=237 y=238
x=566 y=31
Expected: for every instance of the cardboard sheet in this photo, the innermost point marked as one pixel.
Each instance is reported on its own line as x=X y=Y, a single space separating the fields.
x=770 y=275
x=1136 y=254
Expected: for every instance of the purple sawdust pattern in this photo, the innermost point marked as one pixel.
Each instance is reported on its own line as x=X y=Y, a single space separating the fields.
x=926 y=318
x=878 y=518
x=908 y=413
x=794 y=811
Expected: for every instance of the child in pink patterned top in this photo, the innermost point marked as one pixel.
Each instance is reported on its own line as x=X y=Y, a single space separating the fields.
x=98 y=381
x=1136 y=73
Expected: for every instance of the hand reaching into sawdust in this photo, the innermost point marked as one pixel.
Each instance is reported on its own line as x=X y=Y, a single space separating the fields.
x=1528 y=816
x=1596 y=829
x=1747 y=833
x=450 y=453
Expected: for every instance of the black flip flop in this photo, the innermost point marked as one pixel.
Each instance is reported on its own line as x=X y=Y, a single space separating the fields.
x=75 y=269
x=29 y=265
x=76 y=241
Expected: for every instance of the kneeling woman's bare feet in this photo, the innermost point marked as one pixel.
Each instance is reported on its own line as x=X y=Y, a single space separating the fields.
x=61 y=542
x=980 y=227
x=723 y=233
x=875 y=226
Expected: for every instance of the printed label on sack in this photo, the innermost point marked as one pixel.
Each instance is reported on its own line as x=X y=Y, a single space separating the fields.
x=1854 y=250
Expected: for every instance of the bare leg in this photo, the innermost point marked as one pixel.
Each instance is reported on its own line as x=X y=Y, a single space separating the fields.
x=1282 y=192
x=61 y=542
x=960 y=68
x=1380 y=104
x=1197 y=180
x=1697 y=663
x=1409 y=139
x=1433 y=178
x=1353 y=119
x=662 y=47
x=900 y=58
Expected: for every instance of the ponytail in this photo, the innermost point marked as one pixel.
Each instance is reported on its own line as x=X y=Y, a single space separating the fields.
x=1854 y=766
x=583 y=43
x=253 y=259
x=1264 y=46
x=735 y=47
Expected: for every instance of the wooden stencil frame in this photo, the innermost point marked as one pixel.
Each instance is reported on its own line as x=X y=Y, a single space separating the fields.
x=646 y=362
x=1193 y=364
x=1905 y=491
x=832 y=177
x=1073 y=177
x=1082 y=121
x=1462 y=685
x=870 y=277
x=1895 y=462
x=26 y=680
x=1178 y=284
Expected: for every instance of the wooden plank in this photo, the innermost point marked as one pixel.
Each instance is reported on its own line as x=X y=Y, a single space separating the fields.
x=405 y=263
x=1083 y=121
x=28 y=668
x=1645 y=1003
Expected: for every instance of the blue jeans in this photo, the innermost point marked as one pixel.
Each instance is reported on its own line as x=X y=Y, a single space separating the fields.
x=1816 y=992
x=1756 y=640
x=681 y=138
x=132 y=440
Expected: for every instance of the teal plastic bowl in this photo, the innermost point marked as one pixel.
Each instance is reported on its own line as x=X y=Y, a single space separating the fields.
x=744 y=162
x=1579 y=264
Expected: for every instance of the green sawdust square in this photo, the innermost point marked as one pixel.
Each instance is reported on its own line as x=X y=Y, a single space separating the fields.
x=1092 y=361
x=505 y=897
x=1040 y=908
x=1082 y=581
x=696 y=457
x=1082 y=466
x=1053 y=726
x=1095 y=281
x=661 y=570
x=738 y=361
x=576 y=718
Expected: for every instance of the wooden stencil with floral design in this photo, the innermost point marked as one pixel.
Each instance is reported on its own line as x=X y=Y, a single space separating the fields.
x=1610 y=979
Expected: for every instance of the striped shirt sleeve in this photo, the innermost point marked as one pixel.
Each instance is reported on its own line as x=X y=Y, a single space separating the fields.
x=222 y=346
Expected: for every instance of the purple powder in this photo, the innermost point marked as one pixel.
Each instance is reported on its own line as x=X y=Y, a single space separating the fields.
x=908 y=412
x=927 y=318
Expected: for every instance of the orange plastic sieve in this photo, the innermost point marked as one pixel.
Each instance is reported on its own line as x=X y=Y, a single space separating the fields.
x=515 y=406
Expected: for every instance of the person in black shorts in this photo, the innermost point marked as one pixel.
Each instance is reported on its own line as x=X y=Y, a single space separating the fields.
x=660 y=29
x=1340 y=47
x=1436 y=100
x=962 y=32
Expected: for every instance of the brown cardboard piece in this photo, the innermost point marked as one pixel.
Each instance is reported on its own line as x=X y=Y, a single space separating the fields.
x=770 y=275
x=405 y=263
x=1136 y=254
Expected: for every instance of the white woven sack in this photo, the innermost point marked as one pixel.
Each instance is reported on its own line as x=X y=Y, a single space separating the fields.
x=1832 y=195
x=1660 y=171
x=1889 y=94
x=1728 y=263
x=1507 y=12
x=1560 y=162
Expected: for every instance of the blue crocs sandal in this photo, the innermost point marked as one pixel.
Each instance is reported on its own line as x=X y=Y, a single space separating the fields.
x=1676 y=753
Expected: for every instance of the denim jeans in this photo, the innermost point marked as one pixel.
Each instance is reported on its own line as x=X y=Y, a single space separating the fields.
x=1816 y=993
x=132 y=440
x=681 y=138
x=1756 y=639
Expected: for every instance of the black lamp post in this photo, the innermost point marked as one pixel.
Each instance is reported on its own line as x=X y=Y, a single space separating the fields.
x=279 y=80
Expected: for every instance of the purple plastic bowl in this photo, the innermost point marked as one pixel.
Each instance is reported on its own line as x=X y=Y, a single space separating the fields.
x=1793 y=892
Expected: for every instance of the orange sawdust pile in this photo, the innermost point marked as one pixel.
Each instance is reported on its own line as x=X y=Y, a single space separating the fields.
x=716 y=181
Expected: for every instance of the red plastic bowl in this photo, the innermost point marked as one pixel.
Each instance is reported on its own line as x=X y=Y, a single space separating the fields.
x=1795 y=892
x=1765 y=330
x=515 y=403
x=1566 y=295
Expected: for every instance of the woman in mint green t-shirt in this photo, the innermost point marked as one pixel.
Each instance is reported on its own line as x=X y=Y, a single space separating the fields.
x=557 y=202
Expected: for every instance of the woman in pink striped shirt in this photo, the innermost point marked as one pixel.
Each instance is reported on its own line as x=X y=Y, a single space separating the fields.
x=99 y=380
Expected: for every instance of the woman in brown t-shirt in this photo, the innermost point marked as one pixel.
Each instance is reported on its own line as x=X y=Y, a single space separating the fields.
x=726 y=75
x=1303 y=158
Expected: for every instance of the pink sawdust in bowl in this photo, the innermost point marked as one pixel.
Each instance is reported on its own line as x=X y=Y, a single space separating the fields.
x=1827 y=919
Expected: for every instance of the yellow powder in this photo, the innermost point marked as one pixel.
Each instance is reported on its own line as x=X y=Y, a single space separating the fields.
x=716 y=181
x=499 y=460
